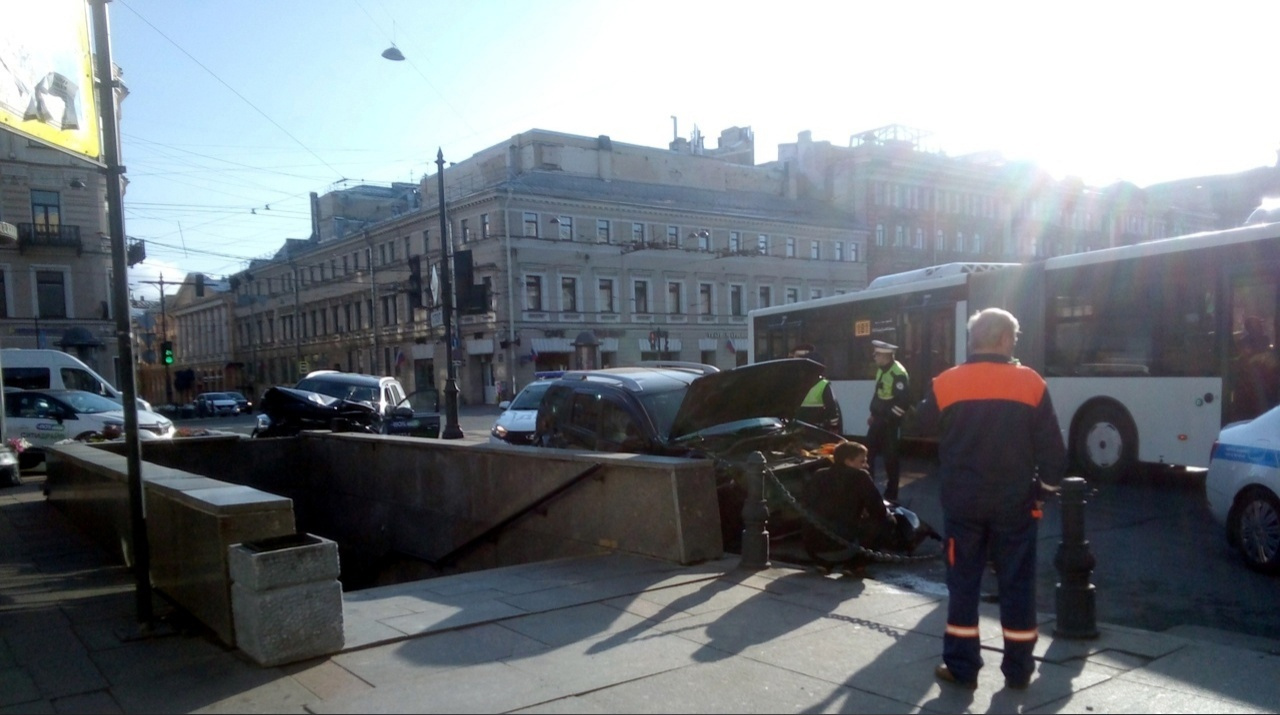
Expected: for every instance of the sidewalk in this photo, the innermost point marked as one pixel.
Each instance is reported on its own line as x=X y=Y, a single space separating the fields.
x=613 y=633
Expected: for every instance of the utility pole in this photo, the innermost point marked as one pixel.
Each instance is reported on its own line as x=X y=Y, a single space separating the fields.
x=297 y=328
x=164 y=337
x=373 y=318
x=451 y=428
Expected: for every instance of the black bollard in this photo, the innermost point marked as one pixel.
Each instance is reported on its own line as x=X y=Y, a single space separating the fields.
x=755 y=517
x=1076 y=599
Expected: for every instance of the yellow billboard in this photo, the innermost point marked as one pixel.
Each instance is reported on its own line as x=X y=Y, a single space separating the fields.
x=46 y=74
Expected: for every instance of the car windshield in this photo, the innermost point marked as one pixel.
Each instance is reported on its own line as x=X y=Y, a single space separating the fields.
x=356 y=393
x=236 y=396
x=662 y=408
x=87 y=403
x=217 y=396
x=753 y=424
x=531 y=396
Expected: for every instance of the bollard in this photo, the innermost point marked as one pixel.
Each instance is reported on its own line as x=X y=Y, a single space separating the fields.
x=755 y=517
x=1077 y=614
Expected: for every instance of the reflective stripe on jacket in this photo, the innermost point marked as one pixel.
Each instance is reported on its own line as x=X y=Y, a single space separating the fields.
x=890 y=400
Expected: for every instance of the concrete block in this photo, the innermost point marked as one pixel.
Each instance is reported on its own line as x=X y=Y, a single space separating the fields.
x=285 y=561
x=285 y=599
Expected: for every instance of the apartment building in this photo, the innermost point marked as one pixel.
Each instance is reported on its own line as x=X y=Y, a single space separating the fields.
x=55 y=278
x=653 y=253
x=924 y=207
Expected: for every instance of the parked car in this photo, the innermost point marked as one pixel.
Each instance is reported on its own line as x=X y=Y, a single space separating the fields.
x=242 y=403
x=519 y=416
x=216 y=404
x=46 y=417
x=1242 y=485
x=692 y=410
x=396 y=414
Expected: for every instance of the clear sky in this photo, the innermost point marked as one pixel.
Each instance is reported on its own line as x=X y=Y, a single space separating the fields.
x=239 y=108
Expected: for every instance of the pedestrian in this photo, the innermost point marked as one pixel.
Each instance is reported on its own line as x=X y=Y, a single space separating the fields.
x=819 y=407
x=889 y=404
x=846 y=501
x=999 y=452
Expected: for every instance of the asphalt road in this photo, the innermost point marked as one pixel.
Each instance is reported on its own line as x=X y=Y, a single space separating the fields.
x=1161 y=559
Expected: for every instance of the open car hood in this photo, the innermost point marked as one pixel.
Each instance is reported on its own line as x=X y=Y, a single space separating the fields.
x=768 y=389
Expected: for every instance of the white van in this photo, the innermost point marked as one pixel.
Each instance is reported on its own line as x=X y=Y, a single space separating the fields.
x=31 y=369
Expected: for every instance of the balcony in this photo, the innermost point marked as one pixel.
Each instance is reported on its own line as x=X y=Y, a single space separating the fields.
x=32 y=235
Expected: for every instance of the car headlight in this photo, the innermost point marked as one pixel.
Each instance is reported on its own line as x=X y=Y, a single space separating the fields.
x=499 y=431
x=263 y=421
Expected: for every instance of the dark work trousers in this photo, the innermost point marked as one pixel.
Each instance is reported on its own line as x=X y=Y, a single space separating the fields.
x=1011 y=541
x=883 y=437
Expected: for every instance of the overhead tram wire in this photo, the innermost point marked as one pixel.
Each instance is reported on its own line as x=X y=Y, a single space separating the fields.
x=229 y=87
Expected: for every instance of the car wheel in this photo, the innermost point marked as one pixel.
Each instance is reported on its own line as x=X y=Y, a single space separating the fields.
x=1105 y=444
x=1255 y=524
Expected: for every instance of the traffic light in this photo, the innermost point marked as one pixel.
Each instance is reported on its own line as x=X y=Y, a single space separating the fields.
x=166 y=352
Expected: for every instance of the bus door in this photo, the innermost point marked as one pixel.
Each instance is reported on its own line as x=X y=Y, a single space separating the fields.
x=779 y=338
x=1252 y=384
x=929 y=347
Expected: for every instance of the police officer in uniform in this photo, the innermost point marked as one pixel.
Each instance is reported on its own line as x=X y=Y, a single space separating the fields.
x=889 y=405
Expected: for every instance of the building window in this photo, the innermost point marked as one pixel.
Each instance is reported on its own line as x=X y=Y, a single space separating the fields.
x=765 y=297
x=815 y=250
x=879 y=234
x=791 y=247
x=640 y=290
x=486 y=230
x=939 y=241
x=704 y=239
x=4 y=294
x=793 y=295
x=566 y=227
x=606 y=301
x=839 y=250
x=602 y=230
x=530 y=224
x=533 y=293
x=977 y=243
x=919 y=243
x=673 y=235
x=637 y=232
x=466 y=231
x=675 y=291
x=735 y=300
x=46 y=212
x=960 y=241
x=706 y=299
x=762 y=244
x=346 y=266
x=815 y=293
x=568 y=294
x=735 y=241
x=853 y=251
x=899 y=236
x=391 y=251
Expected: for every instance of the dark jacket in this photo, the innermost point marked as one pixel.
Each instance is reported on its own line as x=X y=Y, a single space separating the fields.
x=997 y=432
x=847 y=501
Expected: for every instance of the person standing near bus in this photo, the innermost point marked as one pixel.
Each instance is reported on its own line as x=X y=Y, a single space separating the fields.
x=999 y=452
x=819 y=406
x=889 y=404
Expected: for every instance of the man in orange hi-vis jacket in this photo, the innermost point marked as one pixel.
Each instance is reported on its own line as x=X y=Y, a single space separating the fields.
x=999 y=451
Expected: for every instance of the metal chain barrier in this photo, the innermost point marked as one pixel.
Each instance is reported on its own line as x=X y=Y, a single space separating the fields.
x=877 y=556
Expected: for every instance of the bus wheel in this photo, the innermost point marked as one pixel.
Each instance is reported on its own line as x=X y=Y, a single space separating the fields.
x=1105 y=444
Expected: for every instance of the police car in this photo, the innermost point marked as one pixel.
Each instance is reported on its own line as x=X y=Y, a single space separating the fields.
x=1242 y=485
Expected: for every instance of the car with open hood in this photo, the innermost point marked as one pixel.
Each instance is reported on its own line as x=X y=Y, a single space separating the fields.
x=696 y=411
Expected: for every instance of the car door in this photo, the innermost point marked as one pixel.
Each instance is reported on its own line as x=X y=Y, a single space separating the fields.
x=37 y=419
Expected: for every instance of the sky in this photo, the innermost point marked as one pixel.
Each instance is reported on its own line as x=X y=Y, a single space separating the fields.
x=238 y=109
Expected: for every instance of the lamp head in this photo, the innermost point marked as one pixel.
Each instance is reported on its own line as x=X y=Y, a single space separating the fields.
x=393 y=53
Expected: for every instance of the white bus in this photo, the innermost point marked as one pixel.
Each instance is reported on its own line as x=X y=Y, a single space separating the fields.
x=1148 y=349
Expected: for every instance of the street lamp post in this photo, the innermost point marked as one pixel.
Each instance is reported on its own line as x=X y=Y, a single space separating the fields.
x=451 y=428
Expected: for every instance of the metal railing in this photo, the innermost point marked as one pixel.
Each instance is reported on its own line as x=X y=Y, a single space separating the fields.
x=32 y=235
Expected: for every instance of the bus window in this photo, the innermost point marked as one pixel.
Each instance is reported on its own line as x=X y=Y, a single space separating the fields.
x=1254 y=368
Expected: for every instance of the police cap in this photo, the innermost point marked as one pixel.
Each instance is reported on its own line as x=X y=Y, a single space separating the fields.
x=881 y=346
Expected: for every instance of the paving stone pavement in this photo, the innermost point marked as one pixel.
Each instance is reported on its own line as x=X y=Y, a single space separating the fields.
x=612 y=633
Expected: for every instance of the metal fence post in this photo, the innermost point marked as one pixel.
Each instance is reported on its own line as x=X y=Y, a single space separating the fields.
x=755 y=517
x=1076 y=604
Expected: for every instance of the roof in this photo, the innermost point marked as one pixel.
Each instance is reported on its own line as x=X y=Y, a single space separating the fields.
x=742 y=203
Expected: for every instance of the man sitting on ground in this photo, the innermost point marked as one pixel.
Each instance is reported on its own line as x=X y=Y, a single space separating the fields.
x=847 y=502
